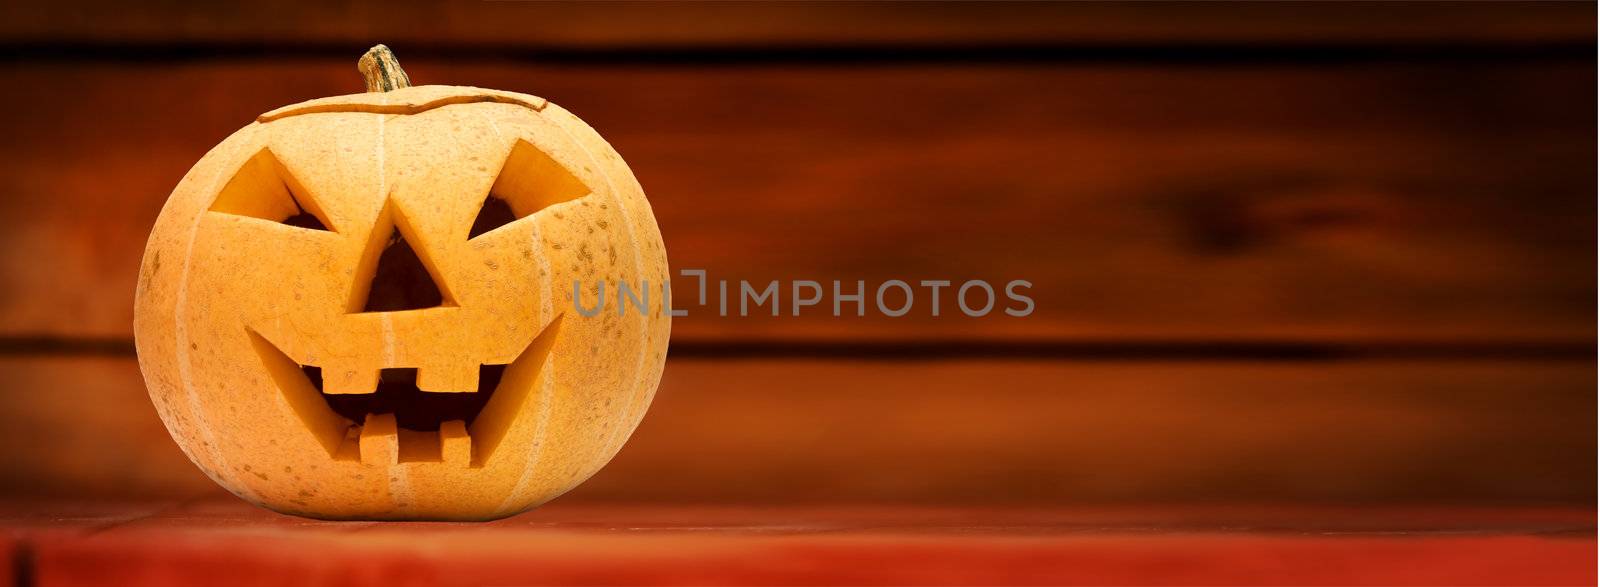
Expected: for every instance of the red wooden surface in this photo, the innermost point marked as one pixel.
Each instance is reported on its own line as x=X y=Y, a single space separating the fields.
x=573 y=543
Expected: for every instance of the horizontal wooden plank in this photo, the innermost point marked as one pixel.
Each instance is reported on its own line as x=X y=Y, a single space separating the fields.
x=649 y=25
x=1004 y=432
x=562 y=544
x=1444 y=202
x=88 y=428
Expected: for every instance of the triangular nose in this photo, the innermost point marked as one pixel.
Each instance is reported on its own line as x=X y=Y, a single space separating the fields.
x=400 y=280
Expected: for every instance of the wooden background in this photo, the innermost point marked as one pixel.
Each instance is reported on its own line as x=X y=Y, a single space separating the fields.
x=1280 y=252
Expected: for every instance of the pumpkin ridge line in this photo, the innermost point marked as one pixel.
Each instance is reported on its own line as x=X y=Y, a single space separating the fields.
x=638 y=264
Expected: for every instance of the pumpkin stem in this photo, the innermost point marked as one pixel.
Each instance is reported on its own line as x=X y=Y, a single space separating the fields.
x=381 y=70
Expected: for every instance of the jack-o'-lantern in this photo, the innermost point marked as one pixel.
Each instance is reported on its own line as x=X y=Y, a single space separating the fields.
x=361 y=307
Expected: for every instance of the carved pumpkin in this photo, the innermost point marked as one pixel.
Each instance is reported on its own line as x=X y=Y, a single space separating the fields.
x=360 y=307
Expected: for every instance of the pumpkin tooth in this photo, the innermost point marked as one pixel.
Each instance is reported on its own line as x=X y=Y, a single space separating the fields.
x=455 y=379
x=348 y=379
x=454 y=444
x=380 y=440
x=350 y=447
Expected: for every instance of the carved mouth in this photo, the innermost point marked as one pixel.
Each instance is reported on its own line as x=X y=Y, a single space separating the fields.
x=397 y=422
x=413 y=409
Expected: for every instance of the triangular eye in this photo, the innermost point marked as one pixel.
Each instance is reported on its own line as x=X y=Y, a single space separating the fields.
x=495 y=213
x=529 y=181
x=263 y=188
x=305 y=220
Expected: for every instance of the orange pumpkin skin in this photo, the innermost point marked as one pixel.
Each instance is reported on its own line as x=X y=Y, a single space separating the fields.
x=233 y=305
